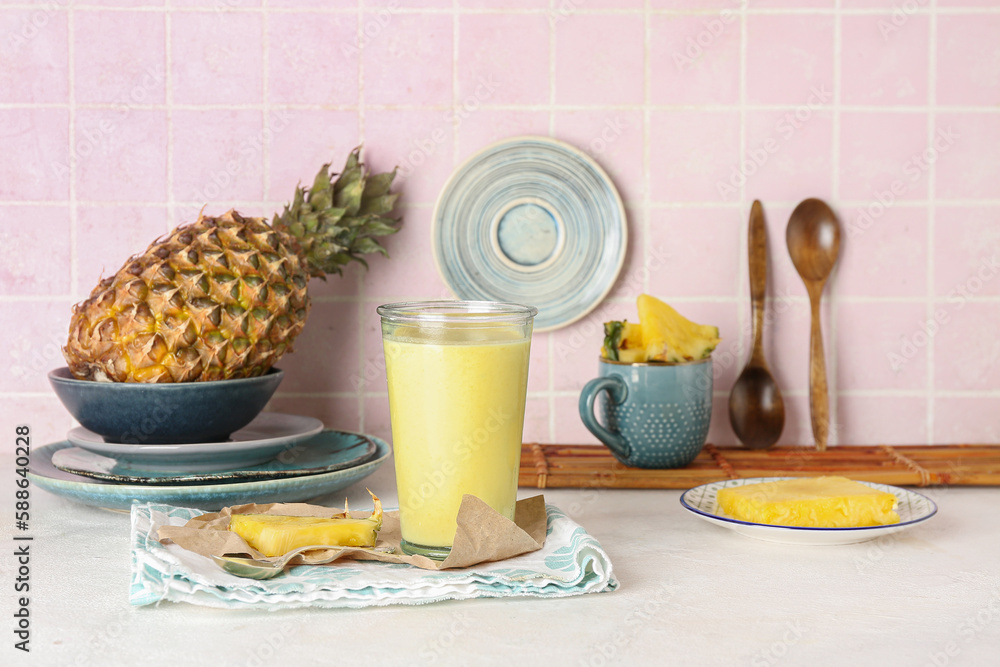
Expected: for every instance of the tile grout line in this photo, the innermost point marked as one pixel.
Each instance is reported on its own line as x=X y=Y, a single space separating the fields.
x=265 y=152
x=765 y=11
x=833 y=437
x=743 y=278
x=846 y=203
x=361 y=283
x=572 y=393
x=550 y=341
x=455 y=95
x=552 y=68
x=74 y=260
x=647 y=151
x=168 y=97
x=703 y=298
x=856 y=108
x=931 y=195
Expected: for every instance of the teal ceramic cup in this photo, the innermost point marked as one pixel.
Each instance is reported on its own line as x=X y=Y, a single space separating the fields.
x=654 y=415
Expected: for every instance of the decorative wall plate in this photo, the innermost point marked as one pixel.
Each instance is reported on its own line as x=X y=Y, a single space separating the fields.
x=535 y=221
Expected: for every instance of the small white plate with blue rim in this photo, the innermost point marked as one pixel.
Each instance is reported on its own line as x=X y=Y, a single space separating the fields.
x=261 y=440
x=535 y=221
x=912 y=507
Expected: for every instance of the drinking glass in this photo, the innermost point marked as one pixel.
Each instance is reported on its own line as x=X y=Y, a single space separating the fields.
x=457 y=374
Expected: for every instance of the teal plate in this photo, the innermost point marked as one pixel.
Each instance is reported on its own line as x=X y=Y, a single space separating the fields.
x=113 y=495
x=535 y=221
x=324 y=453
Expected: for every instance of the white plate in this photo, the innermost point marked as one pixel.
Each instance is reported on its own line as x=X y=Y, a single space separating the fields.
x=259 y=441
x=912 y=508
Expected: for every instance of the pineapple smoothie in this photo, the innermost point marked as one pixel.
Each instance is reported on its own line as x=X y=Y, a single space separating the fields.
x=456 y=402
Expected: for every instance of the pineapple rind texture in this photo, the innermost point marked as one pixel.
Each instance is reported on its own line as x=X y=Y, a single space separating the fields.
x=225 y=297
x=623 y=342
x=217 y=299
x=274 y=535
x=811 y=502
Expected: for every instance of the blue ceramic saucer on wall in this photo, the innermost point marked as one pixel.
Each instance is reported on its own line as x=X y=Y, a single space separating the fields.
x=531 y=220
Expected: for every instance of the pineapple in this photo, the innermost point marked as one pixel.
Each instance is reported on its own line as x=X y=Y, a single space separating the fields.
x=275 y=534
x=814 y=502
x=225 y=297
x=662 y=334
x=671 y=337
x=623 y=342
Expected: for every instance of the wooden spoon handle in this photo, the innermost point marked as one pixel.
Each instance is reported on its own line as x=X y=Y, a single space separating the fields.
x=819 y=400
x=757 y=247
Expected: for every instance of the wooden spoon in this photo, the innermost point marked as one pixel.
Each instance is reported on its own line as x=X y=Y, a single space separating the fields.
x=813 y=237
x=756 y=408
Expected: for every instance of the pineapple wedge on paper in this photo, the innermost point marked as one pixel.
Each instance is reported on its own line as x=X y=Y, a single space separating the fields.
x=274 y=534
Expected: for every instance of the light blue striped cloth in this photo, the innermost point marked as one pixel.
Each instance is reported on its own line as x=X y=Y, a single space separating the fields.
x=572 y=562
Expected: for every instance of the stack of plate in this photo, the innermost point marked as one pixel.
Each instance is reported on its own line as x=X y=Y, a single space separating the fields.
x=274 y=458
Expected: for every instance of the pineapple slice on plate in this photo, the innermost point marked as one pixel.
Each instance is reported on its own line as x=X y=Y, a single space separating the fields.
x=810 y=502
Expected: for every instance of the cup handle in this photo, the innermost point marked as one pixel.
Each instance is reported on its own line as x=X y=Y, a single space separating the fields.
x=617 y=392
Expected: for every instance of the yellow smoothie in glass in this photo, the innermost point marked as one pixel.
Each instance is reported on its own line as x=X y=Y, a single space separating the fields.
x=456 y=400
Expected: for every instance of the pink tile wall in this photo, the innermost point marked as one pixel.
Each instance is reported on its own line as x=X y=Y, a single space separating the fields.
x=120 y=119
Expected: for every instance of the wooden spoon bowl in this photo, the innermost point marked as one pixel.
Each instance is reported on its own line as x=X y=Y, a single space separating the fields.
x=756 y=408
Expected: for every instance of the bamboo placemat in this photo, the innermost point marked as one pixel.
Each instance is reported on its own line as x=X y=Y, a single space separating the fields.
x=593 y=466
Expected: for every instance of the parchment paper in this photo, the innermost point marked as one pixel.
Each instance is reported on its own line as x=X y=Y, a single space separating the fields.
x=483 y=534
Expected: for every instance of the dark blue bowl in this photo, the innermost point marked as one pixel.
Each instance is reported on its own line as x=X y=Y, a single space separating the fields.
x=159 y=414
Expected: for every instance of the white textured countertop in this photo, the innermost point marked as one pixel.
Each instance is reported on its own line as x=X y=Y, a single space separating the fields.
x=691 y=594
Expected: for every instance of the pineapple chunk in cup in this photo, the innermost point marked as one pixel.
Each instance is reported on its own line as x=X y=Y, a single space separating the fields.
x=654 y=387
x=458 y=375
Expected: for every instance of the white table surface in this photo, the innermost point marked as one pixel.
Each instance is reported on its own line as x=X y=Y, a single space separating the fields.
x=691 y=594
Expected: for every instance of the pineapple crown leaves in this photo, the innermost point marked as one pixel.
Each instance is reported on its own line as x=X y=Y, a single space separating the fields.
x=339 y=218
